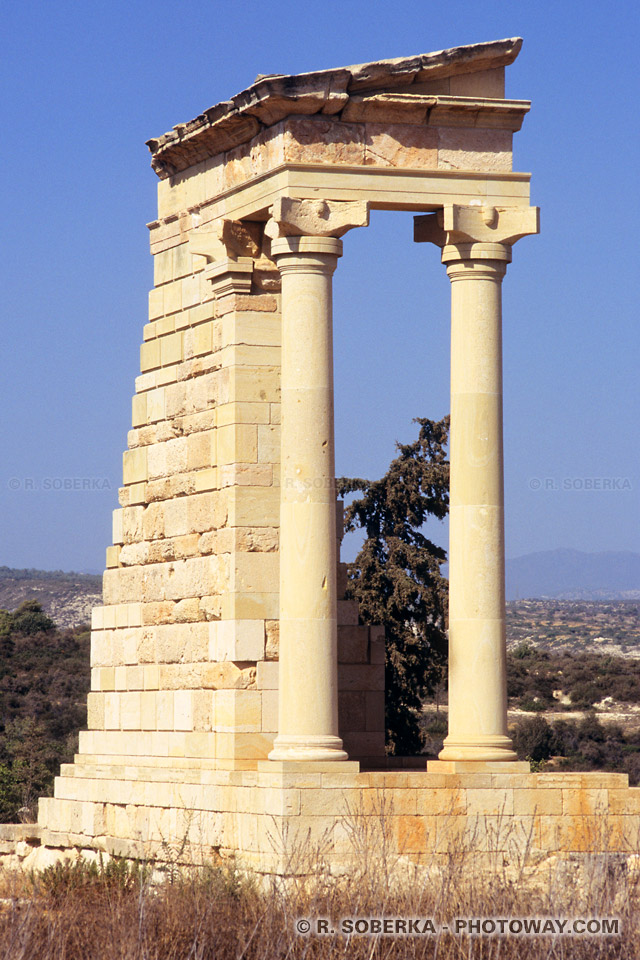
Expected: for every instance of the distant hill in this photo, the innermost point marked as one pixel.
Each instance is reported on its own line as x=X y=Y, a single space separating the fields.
x=66 y=597
x=574 y=575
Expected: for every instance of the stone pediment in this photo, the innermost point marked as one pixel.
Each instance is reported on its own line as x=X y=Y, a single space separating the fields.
x=461 y=86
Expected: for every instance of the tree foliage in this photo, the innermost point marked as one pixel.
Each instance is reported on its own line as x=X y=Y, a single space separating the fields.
x=44 y=679
x=396 y=576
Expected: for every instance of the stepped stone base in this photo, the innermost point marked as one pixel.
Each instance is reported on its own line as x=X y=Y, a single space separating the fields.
x=283 y=819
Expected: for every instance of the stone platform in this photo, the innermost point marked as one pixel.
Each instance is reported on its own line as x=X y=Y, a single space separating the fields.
x=285 y=818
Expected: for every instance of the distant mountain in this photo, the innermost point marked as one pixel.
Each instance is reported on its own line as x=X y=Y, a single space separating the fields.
x=66 y=597
x=574 y=575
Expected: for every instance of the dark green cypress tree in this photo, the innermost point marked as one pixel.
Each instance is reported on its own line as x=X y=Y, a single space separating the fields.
x=396 y=576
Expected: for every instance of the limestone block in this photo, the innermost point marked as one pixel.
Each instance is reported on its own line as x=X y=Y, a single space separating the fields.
x=149 y=356
x=130 y=524
x=238 y=711
x=111 y=711
x=254 y=329
x=164 y=710
x=377 y=650
x=256 y=539
x=176 y=521
x=151 y=674
x=374 y=711
x=272 y=631
x=239 y=640
x=190 y=292
x=183 y=710
x=200 y=452
x=325 y=141
x=532 y=802
x=156 y=304
x=206 y=480
x=245 y=474
x=364 y=746
x=134 y=554
x=170 y=349
x=229 y=413
x=134 y=465
x=206 y=511
x=267 y=675
x=243 y=746
x=353 y=644
x=254 y=507
x=130 y=705
x=255 y=573
x=199 y=341
x=172 y=297
x=95 y=710
x=97 y=618
x=269 y=444
x=249 y=606
x=239 y=302
x=134 y=677
x=465 y=149
x=495 y=801
x=584 y=802
x=253 y=384
x=401 y=145
x=347 y=613
x=361 y=677
x=269 y=711
x=112 y=557
x=117 y=527
x=227 y=675
x=155 y=407
x=351 y=712
x=237 y=443
x=139 y=409
x=163 y=268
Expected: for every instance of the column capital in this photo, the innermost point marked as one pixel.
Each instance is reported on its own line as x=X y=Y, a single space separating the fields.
x=476 y=232
x=230 y=247
x=303 y=253
x=227 y=240
x=315 y=218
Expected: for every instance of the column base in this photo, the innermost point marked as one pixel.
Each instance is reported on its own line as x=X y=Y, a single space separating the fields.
x=310 y=749
x=492 y=749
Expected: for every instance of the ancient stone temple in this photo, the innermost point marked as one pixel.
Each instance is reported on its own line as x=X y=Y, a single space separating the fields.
x=236 y=703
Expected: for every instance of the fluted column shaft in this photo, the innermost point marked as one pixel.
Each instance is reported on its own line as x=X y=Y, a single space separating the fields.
x=308 y=699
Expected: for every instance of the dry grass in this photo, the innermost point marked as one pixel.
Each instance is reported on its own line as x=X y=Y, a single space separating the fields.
x=88 y=911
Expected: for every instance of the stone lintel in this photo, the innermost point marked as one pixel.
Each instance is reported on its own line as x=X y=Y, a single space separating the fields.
x=383 y=188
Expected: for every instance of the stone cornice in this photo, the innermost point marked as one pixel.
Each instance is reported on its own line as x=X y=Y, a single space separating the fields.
x=379 y=91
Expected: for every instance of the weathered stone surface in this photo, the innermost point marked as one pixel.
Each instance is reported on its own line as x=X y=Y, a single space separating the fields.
x=395 y=145
x=315 y=218
x=272 y=98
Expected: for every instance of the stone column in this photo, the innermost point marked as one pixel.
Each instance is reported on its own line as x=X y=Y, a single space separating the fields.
x=308 y=697
x=476 y=247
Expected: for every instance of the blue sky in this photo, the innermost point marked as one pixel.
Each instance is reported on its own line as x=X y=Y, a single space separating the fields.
x=85 y=84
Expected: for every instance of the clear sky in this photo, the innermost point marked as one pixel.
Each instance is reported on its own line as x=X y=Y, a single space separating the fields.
x=85 y=84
